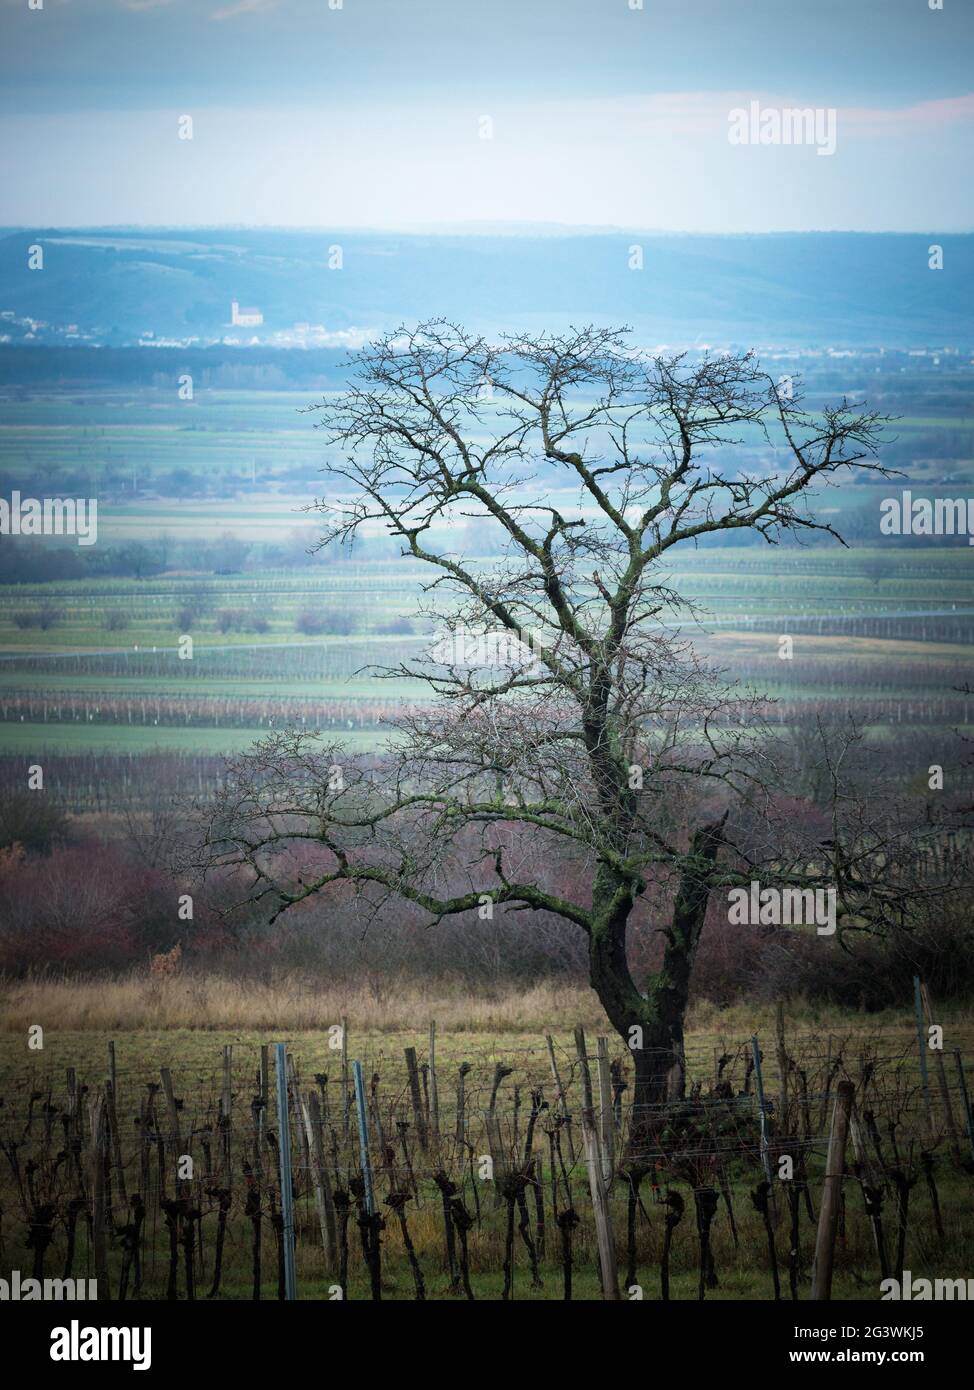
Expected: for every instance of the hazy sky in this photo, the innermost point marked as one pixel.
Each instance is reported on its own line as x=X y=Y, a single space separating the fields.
x=371 y=114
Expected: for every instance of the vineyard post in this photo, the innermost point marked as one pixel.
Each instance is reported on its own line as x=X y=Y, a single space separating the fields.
x=300 y=1134
x=434 y=1093
x=606 y=1114
x=587 y=1098
x=419 y=1119
x=873 y=1211
x=363 y=1136
x=763 y=1120
x=173 y=1112
x=944 y=1089
x=600 y=1205
x=113 y=1072
x=781 y=1053
x=828 y=1217
x=965 y=1099
x=96 y=1181
x=918 y=1011
x=287 y=1189
x=461 y=1102
x=345 y=1078
x=111 y=1112
x=560 y=1094
x=226 y=1115
x=264 y=1087
x=311 y=1113
x=113 y=1109
x=74 y=1128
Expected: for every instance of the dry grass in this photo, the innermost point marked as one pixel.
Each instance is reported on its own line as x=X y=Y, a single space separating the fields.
x=139 y=1002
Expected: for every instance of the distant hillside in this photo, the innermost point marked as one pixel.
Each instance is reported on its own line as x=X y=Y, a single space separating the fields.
x=811 y=289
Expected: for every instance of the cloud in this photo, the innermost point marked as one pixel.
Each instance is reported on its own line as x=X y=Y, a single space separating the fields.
x=921 y=117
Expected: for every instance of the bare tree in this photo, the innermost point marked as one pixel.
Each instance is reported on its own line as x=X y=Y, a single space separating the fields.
x=566 y=705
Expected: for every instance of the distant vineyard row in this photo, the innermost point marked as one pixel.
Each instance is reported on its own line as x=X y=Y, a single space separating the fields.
x=365 y=713
x=340 y=661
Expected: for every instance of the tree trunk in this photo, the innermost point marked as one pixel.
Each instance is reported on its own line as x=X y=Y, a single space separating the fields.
x=651 y=1023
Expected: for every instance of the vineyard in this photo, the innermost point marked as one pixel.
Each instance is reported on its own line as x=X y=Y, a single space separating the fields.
x=341 y=1168
x=90 y=665
x=338 y=715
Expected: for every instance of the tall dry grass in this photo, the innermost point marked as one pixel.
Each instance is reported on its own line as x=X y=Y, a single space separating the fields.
x=141 y=1002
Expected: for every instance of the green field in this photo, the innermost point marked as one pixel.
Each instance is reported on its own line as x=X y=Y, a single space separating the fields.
x=250 y=461
x=91 y=664
x=217 y=1072
x=82 y=684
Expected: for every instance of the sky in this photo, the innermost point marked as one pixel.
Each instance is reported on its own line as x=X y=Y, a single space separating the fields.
x=440 y=113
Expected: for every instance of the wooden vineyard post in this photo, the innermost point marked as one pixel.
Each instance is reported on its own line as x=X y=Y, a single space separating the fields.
x=461 y=1130
x=965 y=1099
x=173 y=1112
x=113 y=1072
x=828 y=1217
x=434 y=1093
x=380 y=1136
x=113 y=1109
x=938 y=1060
x=74 y=1128
x=600 y=1206
x=781 y=1055
x=873 y=1211
x=588 y=1101
x=311 y=1114
x=111 y=1115
x=96 y=1187
x=922 y=1046
x=301 y=1134
x=264 y=1094
x=828 y=1085
x=606 y=1114
x=226 y=1117
x=560 y=1094
x=419 y=1118
x=763 y=1121
x=287 y=1189
x=345 y=1096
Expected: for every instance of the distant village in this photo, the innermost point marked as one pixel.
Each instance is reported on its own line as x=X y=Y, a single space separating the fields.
x=22 y=329
x=16 y=329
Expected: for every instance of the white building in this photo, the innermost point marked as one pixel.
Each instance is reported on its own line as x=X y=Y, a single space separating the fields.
x=245 y=318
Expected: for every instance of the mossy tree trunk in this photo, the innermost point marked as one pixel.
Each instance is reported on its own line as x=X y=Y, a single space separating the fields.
x=651 y=1021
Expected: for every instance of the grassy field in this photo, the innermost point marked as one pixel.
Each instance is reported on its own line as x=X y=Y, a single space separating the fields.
x=79 y=685
x=187 y=1025
x=228 y=432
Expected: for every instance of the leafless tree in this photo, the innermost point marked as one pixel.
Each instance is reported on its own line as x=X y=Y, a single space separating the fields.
x=566 y=705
